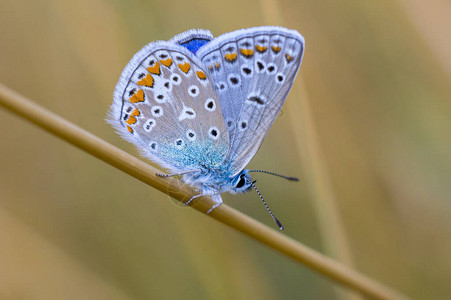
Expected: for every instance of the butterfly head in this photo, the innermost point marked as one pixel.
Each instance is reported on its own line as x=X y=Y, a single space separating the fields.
x=242 y=182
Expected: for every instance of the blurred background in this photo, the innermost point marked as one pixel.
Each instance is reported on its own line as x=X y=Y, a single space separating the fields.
x=366 y=127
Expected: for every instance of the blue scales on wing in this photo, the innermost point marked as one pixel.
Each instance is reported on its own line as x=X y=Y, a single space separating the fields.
x=193 y=39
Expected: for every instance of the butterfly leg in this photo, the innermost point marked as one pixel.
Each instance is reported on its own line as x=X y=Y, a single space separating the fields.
x=204 y=193
x=218 y=201
x=192 y=198
x=215 y=196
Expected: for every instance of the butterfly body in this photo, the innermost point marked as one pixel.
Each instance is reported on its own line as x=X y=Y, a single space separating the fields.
x=201 y=106
x=220 y=180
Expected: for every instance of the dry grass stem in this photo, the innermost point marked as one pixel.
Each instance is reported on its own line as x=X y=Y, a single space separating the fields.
x=99 y=148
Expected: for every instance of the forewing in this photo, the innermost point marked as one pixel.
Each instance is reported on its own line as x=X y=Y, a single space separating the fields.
x=165 y=104
x=253 y=70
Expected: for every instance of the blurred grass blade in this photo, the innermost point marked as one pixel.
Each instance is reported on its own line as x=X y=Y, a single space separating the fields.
x=333 y=233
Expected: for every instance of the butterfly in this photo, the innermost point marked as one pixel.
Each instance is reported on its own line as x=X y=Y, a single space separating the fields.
x=201 y=106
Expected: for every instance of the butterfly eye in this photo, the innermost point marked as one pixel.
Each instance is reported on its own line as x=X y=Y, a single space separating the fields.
x=242 y=181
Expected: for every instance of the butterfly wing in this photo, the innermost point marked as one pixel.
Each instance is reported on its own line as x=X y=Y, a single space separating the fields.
x=192 y=39
x=165 y=104
x=253 y=70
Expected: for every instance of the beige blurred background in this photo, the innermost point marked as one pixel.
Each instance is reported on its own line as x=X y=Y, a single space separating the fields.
x=367 y=129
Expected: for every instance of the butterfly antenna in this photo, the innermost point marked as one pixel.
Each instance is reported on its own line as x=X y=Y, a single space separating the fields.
x=275 y=174
x=267 y=207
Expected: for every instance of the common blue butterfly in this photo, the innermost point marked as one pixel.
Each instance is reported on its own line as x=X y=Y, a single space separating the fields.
x=201 y=106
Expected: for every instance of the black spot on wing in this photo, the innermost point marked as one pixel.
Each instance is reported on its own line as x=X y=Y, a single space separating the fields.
x=256 y=100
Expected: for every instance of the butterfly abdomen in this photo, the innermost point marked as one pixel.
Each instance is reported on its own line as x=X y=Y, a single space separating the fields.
x=216 y=176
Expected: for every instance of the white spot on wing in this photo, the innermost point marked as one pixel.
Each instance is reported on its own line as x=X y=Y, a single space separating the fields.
x=162 y=54
x=191 y=135
x=213 y=133
x=130 y=91
x=149 y=125
x=160 y=97
x=271 y=69
x=234 y=80
x=179 y=143
x=210 y=104
x=157 y=111
x=279 y=78
x=187 y=113
x=176 y=79
x=193 y=90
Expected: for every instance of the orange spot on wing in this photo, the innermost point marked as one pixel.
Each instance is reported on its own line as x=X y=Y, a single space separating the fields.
x=230 y=57
x=201 y=75
x=131 y=120
x=166 y=62
x=136 y=112
x=129 y=129
x=247 y=52
x=137 y=97
x=185 y=67
x=155 y=69
x=288 y=57
x=276 y=49
x=261 y=49
x=217 y=65
x=146 y=81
